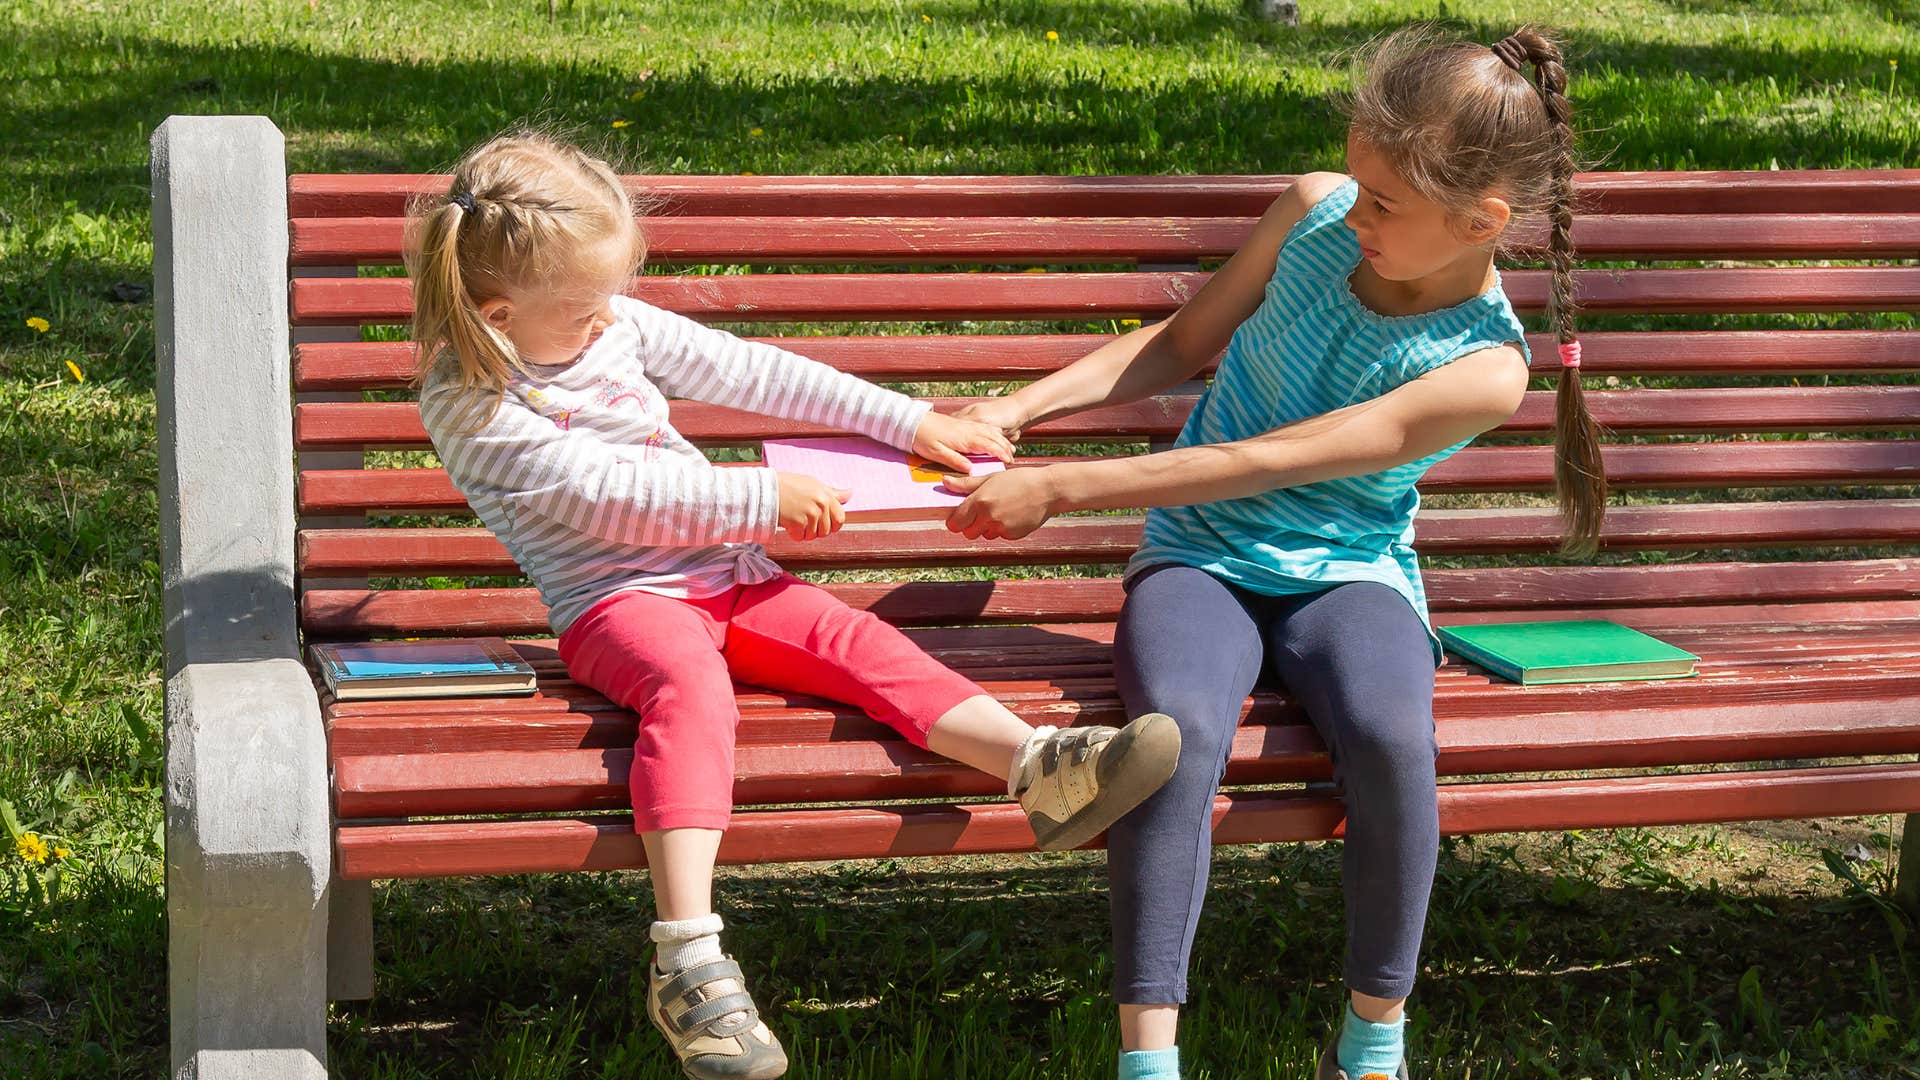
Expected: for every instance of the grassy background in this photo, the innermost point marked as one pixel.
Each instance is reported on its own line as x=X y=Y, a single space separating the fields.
x=1666 y=953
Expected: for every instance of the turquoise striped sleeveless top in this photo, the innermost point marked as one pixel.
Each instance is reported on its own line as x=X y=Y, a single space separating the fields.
x=1311 y=348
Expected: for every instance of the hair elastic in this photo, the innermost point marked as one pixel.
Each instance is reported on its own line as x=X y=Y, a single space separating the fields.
x=1570 y=354
x=465 y=201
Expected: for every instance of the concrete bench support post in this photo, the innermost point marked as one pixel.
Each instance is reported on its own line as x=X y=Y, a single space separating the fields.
x=248 y=841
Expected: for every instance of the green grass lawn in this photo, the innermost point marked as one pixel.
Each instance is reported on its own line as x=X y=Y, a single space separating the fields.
x=1740 y=952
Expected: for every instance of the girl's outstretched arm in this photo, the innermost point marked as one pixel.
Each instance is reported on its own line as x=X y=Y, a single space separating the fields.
x=1155 y=358
x=1448 y=405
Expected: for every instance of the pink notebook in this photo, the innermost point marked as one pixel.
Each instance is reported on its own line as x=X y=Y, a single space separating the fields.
x=887 y=484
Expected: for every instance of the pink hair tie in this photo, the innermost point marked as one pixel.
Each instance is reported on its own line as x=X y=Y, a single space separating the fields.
x=1570 y=354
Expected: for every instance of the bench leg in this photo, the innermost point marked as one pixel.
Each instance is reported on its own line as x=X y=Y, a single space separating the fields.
x=350 y=941
x=1906 y=890
x=249 y=855
x=247 y=996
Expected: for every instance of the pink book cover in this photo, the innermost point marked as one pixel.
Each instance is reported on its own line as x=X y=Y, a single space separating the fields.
x=887 y=484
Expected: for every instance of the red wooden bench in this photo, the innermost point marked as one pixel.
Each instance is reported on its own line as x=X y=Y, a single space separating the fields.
x=1813 y=658
x=1804 y=660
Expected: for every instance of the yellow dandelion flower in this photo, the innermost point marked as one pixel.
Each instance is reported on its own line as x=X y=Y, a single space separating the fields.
x=757 y=132
x=75 y=368
x=1053 y=35
x=39 y=324
x=1130 y=324
x=1034 y=270
x=924 y=17
x=746 y=174
x=621 y=123
x=31 y=848
x=61 y=853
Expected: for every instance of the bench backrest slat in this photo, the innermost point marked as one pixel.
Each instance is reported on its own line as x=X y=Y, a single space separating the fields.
x=1814 y=410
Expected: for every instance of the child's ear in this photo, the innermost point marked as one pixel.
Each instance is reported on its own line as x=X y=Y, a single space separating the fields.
x=498 y=312
x=1488 y=220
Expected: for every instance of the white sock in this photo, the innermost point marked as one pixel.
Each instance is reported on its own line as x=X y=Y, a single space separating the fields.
x=1024 y=755
x=687 y=942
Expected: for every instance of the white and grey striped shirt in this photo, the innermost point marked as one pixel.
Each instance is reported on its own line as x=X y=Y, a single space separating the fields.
x=582 y=477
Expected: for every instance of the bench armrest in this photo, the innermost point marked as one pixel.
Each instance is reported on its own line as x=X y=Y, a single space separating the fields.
x=247 y=804
x=222 y=390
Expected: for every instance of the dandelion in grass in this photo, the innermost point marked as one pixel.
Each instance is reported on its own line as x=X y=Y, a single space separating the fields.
x=1129 y=324
x=31 y=848
x=1053 y=35
x=925 y=18
x=1034 y=270
x=757 y=132
x=61 y=853
x=77 y=375
x=621 y=123
x=39 y=325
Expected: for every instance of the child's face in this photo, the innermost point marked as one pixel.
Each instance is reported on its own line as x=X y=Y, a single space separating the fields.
x=1403 y=235
x=553 y=327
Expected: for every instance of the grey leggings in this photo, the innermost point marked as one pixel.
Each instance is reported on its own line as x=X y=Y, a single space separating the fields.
x=1358 y=659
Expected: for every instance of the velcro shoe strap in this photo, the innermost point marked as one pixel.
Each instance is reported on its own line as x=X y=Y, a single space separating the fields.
x=708 y=1011
x=698 y=975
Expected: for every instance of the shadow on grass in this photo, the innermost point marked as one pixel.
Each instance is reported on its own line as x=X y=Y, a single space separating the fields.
x=349 y=113
x=999 y=967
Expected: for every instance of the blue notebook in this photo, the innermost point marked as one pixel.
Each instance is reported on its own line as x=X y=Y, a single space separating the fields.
x=449 y=667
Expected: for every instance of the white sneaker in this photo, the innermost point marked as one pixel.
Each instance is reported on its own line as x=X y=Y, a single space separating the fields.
x=1079 y=781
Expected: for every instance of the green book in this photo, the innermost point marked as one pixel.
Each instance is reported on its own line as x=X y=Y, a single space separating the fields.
x=1567 y=652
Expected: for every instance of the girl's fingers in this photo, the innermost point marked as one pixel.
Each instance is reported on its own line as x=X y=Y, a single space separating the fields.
x=961 y=519
x=946 y=455
x=999 y=445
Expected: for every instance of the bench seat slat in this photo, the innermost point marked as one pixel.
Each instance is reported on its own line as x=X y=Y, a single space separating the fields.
x=564 y=716
x=1721 y=656
x=927 y=240
x=945 y=296
x=1692 y=729
x=455 y=848
x=387 y=365
x=1076 y=540
x=1804 y=191
x=609 y=728
x=773 y=716
x=395 y=425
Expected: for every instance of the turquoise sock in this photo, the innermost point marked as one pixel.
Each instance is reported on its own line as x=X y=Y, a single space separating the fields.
x=1150 y=1064
x=1367 y=1048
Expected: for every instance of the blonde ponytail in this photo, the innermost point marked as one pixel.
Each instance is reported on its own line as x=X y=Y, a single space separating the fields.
x=525 y=210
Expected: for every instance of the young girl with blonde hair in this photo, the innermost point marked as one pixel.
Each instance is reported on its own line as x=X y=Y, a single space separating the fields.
x=544 y=389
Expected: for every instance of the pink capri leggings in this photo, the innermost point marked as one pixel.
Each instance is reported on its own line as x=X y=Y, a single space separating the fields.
x=674 y=662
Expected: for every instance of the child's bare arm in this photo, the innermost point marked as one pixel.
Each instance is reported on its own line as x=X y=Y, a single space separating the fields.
x=1155 y=358
x=1440 y=409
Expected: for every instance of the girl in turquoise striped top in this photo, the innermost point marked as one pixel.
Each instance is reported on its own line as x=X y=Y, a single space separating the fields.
x=1367 y=337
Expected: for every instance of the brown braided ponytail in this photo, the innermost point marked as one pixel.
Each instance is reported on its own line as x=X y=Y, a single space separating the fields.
x=1579 y=476
x=1459 y=121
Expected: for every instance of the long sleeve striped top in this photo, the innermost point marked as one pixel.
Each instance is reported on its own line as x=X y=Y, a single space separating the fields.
x=585 y=481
